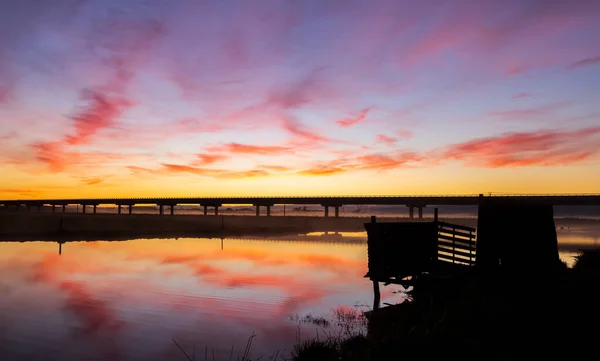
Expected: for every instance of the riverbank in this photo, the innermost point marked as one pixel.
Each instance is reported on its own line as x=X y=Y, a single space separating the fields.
x=34 y=226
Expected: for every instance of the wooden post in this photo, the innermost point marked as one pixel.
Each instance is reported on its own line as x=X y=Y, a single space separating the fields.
x=453 y=244
x=118 y=209
x=257 y=210
x=471 y=247
x=205 y=210
x=377 y=294
x=161 y=209
x=172 y=209
x=131 y=209
x=64 y=208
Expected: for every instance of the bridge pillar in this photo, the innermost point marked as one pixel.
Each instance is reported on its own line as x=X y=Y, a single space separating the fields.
x=131 y=209
x=161 y=209
x=257 y=210
x=118 y=209
x=172 y=209
x=411 y=212
x=216 y=210
x=64 y=208
x=420 y=212
x=337 y=211
x=53 y=208
x=95 y=206
x=326 y=211
x=205 y=210
x=268 y=211
x=83 y=207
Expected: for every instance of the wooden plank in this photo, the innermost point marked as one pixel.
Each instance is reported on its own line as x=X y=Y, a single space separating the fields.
x=462 y=262
x=456 y=232
x=450 y=225
x=443 y=237
x=457 y=244
x=456 y=251
x=456 y=259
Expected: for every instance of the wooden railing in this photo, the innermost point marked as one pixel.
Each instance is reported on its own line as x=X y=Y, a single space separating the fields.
x=456 y=244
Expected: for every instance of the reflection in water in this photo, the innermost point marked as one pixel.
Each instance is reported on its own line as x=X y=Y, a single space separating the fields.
x=110 y=300
x=128 y=300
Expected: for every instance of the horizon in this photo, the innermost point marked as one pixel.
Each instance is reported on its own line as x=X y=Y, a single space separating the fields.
x=104 y=100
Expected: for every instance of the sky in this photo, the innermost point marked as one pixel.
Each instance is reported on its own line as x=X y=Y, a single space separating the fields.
x=106 y=98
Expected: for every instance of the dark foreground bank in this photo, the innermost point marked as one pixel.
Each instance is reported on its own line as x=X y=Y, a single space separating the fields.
x=481 y=317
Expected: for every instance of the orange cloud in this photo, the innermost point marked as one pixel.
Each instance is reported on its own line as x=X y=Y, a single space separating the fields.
x=250 y=149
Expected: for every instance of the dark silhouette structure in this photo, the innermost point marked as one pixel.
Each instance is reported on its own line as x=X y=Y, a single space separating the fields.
x=516 y=237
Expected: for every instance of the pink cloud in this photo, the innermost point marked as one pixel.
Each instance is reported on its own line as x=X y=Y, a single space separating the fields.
x=348 y=122
x=585 y=62
x=102 y=112
x=530 y=112
x=382 y=138
x=294 y=126
x=541 y=148
x=522 y=95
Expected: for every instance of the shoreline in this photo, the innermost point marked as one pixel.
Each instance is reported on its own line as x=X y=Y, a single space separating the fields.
x=69 y=227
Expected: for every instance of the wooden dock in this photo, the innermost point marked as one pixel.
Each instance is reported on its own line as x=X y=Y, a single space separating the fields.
x=399 y=252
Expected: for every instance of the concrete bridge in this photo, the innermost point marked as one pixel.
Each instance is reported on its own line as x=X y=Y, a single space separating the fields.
x=335 y=202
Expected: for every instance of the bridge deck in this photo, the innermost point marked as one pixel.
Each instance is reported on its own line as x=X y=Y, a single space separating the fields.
x=456 y=200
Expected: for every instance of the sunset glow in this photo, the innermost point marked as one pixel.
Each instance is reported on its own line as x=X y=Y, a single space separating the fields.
x=101 y=98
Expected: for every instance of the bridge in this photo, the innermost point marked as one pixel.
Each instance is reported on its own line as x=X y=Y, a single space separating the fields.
x=412 y=202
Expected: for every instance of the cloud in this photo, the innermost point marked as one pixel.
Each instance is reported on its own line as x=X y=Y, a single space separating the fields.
x=348 y=122
x=585 y=62
x=101 y=112
x=527 y=113
x=92 y=181
x=238 y=148
x=541 y=148
x=205 y=159
x=322 y=170
x=296 y=128
x=382 y=138
x=168 y=168
x=522 y=95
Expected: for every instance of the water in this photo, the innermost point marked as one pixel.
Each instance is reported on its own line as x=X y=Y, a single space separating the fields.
x=128 y=300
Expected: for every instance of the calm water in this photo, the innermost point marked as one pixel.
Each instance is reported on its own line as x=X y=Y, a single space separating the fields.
x=128 y=300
